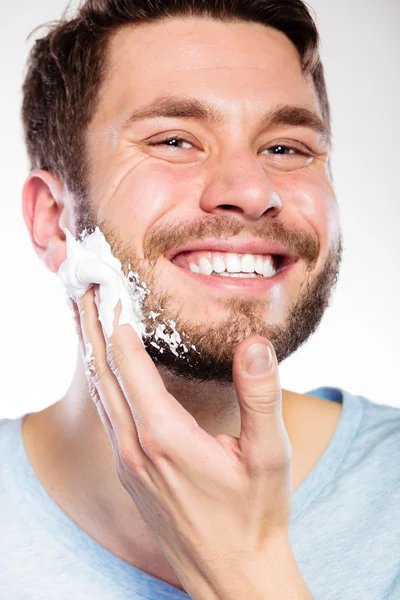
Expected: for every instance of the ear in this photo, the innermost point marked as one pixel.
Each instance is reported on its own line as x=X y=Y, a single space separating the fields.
x=45 y=215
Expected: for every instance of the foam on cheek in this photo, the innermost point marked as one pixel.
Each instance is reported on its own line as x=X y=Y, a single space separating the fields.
x=90 y=261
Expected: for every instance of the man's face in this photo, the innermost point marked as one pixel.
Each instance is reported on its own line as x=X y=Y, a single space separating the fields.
x=240 y=176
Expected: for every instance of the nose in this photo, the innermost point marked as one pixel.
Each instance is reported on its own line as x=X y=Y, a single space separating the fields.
x=241 y=184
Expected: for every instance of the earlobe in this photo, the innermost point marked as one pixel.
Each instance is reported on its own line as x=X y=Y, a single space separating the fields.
x=44 y=214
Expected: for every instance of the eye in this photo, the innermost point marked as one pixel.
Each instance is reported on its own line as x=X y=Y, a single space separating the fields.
x=288 y=158
x=172 y=142
x=280 y=149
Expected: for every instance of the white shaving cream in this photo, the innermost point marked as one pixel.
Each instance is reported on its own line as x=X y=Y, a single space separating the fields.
x=90 y=261
x=88 y=360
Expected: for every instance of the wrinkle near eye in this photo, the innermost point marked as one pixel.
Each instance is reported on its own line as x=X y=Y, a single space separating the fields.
x=119 y=180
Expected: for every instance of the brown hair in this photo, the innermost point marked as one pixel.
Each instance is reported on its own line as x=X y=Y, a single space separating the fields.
x=66 y=68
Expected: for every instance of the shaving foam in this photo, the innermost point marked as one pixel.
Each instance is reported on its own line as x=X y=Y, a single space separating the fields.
x=90 y=261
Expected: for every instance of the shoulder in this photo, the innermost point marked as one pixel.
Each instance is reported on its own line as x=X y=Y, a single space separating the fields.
x=10 y=447
x=380 y=423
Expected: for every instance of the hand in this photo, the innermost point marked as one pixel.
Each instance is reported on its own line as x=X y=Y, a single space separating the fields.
x=217 y=506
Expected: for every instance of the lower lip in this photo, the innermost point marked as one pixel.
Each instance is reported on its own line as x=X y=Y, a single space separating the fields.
x=243 y=284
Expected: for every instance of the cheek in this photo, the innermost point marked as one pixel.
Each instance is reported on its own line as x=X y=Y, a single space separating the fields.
x=144 y=196
x=311 y=197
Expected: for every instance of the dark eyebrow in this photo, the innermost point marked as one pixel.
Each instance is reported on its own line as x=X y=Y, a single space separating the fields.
x=192 y=108
x=297 y=116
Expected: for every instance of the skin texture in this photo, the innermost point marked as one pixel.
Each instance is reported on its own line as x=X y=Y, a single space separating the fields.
x=223 y=181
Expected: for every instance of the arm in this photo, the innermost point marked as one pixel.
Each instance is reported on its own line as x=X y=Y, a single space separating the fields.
x=275 y=576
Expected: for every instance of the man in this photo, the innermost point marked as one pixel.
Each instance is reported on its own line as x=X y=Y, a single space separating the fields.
x=187 y=133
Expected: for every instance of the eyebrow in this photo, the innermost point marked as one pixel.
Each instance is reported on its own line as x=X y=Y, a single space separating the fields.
x=192 y=108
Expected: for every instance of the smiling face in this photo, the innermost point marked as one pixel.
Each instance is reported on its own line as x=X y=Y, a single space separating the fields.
x=209 y=132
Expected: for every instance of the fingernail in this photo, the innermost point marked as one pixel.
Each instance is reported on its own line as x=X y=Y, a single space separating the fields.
x=258 y=359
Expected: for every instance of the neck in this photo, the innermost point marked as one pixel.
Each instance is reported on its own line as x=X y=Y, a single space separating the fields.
x=215 y=407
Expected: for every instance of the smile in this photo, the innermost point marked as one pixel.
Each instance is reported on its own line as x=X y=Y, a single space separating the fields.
x=243 y=272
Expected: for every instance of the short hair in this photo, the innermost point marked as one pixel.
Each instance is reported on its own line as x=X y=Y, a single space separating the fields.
x=66 y=67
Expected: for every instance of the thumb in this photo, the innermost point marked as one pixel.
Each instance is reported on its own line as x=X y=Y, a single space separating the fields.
x=263 y=438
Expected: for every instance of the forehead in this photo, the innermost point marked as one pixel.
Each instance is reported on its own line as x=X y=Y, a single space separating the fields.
x=238 y=66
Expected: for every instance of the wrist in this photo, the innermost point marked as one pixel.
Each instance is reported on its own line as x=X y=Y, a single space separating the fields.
x=263 y=575
x=276 y=575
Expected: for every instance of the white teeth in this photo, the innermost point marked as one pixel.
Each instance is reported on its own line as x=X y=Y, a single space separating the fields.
x=246 y=275
x=247 y=263
x=219 y=265
x=259 y=265
x=233 y=263
x=205 y=266
x=194 y=268
x=269 y=270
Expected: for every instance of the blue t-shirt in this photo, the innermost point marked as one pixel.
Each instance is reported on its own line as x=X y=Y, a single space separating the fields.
x=344 y=530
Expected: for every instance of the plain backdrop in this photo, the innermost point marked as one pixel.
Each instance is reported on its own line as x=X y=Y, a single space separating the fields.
x=356 y=346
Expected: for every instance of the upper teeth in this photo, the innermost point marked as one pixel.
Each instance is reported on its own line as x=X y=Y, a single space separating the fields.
x=233 y=263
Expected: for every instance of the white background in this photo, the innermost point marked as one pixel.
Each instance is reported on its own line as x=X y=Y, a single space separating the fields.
x=356 y=346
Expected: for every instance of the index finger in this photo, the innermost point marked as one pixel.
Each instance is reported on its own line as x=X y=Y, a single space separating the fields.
x=150 y=402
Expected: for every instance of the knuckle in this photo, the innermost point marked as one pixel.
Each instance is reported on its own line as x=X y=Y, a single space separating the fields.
x=115 y=355
x=96 y=399
x=262 y=402
x=280 y=460
x=100 y=369
x=156 y=440
x=128 y=460
x=276 y=461
x=150 y=444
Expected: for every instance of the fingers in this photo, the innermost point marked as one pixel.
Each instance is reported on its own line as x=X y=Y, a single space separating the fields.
x=103 y=385
x=263 y=437
x=145 y=418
